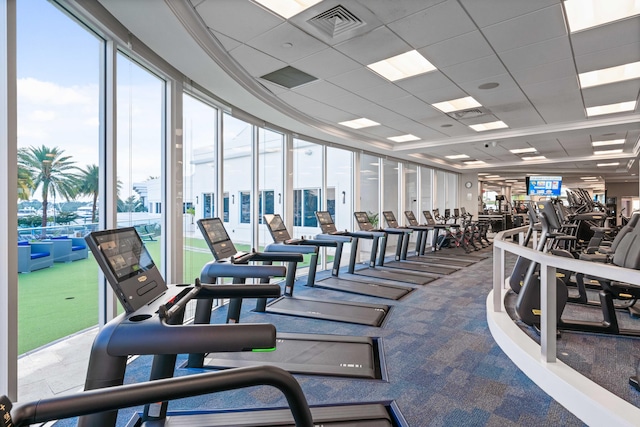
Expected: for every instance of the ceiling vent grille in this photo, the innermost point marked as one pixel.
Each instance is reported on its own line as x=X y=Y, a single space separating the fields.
x=336 y=21
x=470 y=113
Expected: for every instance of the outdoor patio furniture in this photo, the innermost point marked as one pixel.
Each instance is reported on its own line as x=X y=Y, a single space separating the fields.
x=67 y=249
x=34 y=256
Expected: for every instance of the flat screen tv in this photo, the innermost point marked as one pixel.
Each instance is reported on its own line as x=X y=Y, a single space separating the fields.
x=544 y=186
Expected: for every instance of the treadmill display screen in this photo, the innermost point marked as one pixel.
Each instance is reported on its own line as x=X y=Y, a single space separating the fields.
x=125 y=253
x=390 y=218
x=411 y=217
x=275 y=222
x=326 y=222
x=363 y=221
x=214 y=229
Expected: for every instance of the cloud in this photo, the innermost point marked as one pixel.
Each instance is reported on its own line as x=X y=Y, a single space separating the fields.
x=42 y=115
x=36 y=91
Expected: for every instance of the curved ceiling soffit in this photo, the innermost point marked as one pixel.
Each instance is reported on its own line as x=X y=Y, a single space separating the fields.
x=193 y=24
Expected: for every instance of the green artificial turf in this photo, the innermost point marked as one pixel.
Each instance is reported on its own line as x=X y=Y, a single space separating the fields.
x=61 y=300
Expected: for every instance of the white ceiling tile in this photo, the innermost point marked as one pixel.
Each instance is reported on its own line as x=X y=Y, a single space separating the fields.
x=505 y=81
x=384 y=93
x=412 y=107
x=606 y=36
x=477 y=69
x=561 y=109
x=488 y=12
x=386 y=43
x=254 y=61
x=424 y=82
x=609 y=57
x=322 y=91
x=442 y=93
x=389 y=11
x=227 y=42
x=357 y=80
x=222 y=15
x=544 y=24
x=611 y=93
x=314 y=108
x=326 y=63
x=456 y=50
x=273 y=43
x=433 y=25
x=545 y=72
x=532 y=55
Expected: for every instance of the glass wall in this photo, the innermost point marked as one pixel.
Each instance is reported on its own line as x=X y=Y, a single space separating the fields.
x=270 y=180
x=390 y=197
x=410 y=188
x=58 y=102
x=237 y=181
x=340 y=191
x=369 y=182
x=307 y=185
x=426 y=192
x=200 y=180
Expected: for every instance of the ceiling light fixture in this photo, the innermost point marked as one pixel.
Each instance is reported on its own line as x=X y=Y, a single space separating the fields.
x=583 y=14
x=601 y=152
x=474 y=162
x=359 y=123
x=457 y=104
x=523 y=150
x=402 y=66
x=610 y=142
x=457 y=156
x=489 y=126
x=611 y=108
x=404 y=138
x=608 y=164
x=287 y=8
x=588 y=177
x=528 y=158
x=492 y=176
x=610 y=75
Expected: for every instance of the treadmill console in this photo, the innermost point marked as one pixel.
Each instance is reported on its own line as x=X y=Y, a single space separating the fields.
x=363 y=221
x=127 y=266
x=217 y=238
x=391 y=219
x=411 y=218
x=326 y=222
x=276 y=227
x=429 y=218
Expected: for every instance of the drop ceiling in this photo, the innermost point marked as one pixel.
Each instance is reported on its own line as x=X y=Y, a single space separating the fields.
x=515 y=57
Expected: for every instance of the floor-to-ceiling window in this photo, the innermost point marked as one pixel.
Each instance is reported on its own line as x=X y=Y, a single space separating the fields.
x=237 y=181
x=390 y=197
x=340 y=195
x=426 y=192
x=369 y=183
x=271 y=178
x=58 y=90
x=410 y=188
x=200 y=179
x=307 y=185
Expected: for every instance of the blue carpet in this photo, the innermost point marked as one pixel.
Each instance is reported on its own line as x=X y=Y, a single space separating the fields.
x=444 y=368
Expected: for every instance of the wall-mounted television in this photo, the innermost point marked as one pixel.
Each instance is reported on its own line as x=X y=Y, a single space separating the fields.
x=544 y=185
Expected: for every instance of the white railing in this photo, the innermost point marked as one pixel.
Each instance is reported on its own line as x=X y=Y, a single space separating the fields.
x=547 y=266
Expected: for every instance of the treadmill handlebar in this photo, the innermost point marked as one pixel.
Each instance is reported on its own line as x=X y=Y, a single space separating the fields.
x=287 y=256
x=239 y=291
x=241 y=271
x=342 y=237
x=294 y=249
x=154 y=336
x=117 y=397
x=367 y=234
x=397 y=230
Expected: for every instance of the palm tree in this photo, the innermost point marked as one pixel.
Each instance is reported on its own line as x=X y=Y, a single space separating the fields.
x=90 y=187
x=24 y=184
x=50 y=171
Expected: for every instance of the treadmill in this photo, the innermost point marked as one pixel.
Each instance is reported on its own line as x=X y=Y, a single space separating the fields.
x=371 y=273
x=152 y=324
x=400 y=260
x=423 y=236
x=341 y=311
x=355 y=285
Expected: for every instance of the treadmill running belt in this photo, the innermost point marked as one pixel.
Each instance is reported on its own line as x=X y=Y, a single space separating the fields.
x=311 y=354
x=425 y=268
x=356 y=312
x=357 y=415
x=363 y=287
x=395 y=275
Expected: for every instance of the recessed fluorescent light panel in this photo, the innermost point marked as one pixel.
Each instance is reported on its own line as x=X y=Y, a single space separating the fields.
x=492 y=176
x=402 y=66
x=488 y=126
x=610 y=142
x=287 y=8
x=457 y=156
x=474 y=162
x=608 y=164
x=359 y=123
x=534 y=158
x=600 y=152
x=457 y=104
x=523 y=150
x=404 y=138
x=611 y=108
x=583 y=14
x=610 y=75
x=588 y=177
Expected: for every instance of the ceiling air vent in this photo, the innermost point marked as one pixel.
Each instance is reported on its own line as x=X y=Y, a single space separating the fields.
x=289 y=77
x=336 y=21
x=470 y=113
